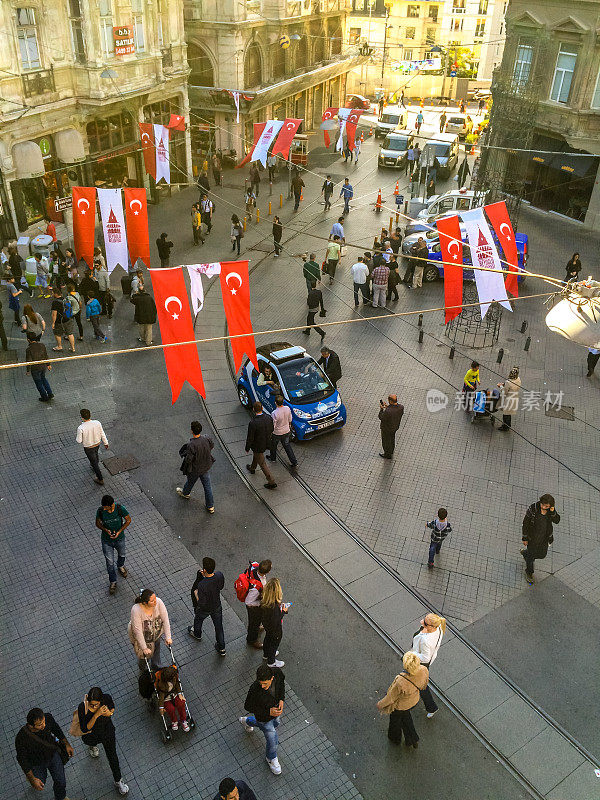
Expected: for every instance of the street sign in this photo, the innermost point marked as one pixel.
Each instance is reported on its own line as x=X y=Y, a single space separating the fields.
x=453 y=74
x=61 y=203
x=399 y=199
x=124 y=40
x=45 y=147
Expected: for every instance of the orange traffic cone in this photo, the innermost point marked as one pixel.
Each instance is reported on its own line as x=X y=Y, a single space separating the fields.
x=301 y=195
x=362 y=137
x=371 y=131
x=378 y=204
x=472 y=153
x=397 y=189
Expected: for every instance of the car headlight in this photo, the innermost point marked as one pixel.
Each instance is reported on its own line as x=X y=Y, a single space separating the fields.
x=302 y=414
x=399 y=159
x=338 y=402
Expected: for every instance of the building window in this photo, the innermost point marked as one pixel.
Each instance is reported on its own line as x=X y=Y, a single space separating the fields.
x=430 y=38
x=480 y=28
x=354 y=36
x=202 y=73
x=138 y=28
x=412 y=11
x=27 y=36
x=252 y=66
x=456 y=24
x=278 y=61
x=458 y=6
x=410 y=33
x=563 y=73
x=433 y=13
x=522 y=67
x=107 y=42
x=596 y=96
x=483 y=7
x=407 y=54
x=77 y=40
x=104 y=134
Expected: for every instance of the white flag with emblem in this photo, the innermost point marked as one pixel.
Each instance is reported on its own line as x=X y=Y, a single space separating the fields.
x=484 y=254
x=113 y=226
x=196 y=271
x=161 y=143
x=271 y=130
x=343 y=114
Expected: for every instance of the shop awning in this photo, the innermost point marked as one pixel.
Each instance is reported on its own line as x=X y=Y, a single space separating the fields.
x=574 y=164
x=28 y=160
x=69 y=146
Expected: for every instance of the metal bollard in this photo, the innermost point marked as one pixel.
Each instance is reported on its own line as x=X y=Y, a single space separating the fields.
x=397 y=217
x=421 y=336
x=280 y=201
x=524 y=326
x=270 y=188
x=452 y=351
x=500 y=356
x=245 y=220
x=269 y=212
x=527 y=343
x=391 y=224
x=420 y=322
x=258 y=215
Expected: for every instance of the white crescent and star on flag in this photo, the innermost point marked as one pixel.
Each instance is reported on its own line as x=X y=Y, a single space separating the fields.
x=87 y=204
x=173 y=299
x=234 y=289
x=132 y=204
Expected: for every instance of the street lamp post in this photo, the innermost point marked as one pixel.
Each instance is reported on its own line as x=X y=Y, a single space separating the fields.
x=384 y=47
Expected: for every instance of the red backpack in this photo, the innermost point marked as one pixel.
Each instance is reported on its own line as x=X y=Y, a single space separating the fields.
x=247 y=579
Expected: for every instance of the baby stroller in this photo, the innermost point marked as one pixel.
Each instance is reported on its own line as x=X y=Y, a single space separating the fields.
x=485 y=404
x=147 y=689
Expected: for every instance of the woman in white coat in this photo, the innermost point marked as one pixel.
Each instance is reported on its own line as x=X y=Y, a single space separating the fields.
x=510 y=397
x=426 y=643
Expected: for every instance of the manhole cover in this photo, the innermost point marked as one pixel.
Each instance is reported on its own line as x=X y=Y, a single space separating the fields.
x=560 y=412
x=118 y=464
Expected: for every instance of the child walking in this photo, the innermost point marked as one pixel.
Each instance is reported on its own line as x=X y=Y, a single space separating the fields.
x=440 y=528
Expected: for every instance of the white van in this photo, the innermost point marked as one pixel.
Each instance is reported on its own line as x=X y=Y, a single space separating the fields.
x=445 y=147
x=456 y=200
x=393 y=118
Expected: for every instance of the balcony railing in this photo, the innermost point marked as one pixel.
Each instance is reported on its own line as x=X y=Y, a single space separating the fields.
x=39 y=82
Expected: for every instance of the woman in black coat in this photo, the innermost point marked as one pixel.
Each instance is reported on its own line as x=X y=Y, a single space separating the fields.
x=95 y=721
x=277 y=234
x=272 y=610
x=537 y=531
x=573 y=268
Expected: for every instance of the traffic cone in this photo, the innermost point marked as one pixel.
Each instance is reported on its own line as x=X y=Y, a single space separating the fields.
x=371 y=131
x=397 y=189
x=472 y=153
x=378 y=204
x=301 y=195
x=362 y=137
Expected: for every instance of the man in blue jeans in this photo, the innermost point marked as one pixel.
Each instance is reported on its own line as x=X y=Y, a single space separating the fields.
x=38 y=745
x=197 y=461
x=207 y=596
x=112 y=519
x=347 y=192
x=264 y=702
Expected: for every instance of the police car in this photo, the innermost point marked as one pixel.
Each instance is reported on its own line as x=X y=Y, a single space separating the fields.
x=315 y=404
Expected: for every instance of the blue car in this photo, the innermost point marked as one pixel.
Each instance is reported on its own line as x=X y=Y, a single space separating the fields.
x=315 y=404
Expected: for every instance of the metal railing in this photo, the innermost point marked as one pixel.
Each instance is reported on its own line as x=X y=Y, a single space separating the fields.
x=38 y=82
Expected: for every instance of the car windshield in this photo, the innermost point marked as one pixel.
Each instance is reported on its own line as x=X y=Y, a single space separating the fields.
x=390 y=119
x=304 y=380
x=439 y=149
x=395 y=143
x=457 y=120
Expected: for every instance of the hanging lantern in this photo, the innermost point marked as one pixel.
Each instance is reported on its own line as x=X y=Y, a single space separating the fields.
x=284 y=41
x=577 y=316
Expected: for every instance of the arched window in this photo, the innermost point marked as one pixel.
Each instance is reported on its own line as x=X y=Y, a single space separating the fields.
x=202 y=73
x=278 y=61
x=252 y=67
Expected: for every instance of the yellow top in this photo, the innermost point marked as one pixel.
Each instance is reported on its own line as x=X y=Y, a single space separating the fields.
x=472 y=377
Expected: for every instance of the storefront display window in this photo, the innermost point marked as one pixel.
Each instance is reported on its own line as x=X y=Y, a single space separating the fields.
x=113 y=144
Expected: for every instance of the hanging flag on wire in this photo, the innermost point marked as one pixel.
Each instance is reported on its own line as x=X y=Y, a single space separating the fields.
x=259 y=152
x=176 y=123
x=84 y=222
x=328 y=123
x=351 y=124
x=148 y=150
x=284 y=140
x=196 y=271
x=163 y=165
x=484 y=254
x=258 y=129
x=113 y=227
x=498 y=216
x=136 y=215
x=235 y=286
x=175 y=321
x=452 y=255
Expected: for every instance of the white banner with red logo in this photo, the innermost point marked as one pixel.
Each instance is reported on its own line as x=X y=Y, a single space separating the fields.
x=161 y=143
x=484 y=254
x=196 y=271
x=271 y=130
x=113 y=226
x=343 y=114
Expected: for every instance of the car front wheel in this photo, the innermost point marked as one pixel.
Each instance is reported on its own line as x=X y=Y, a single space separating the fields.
x=244 y=397
x=430 y=274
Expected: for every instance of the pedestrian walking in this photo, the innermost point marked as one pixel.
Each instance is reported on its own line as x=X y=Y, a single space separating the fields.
x=357 y=146
x=104 y=295
x=16 y=270
x=197 y=462
x=93 y=310
x=255 y=179
x=217 y=170
x=170 y=697
x=76 y=305
x=592 y=359
x=42 y=274
x=98 y=261
x=327 y=191
x=149 y=621
x=510 y=397
x=443 y=119
x=419 y=122
x=470 y=383
x=404 y=694
x=249 y=587
x=144 y=315
x=311 y=271
x=264 y=704
x=32 y=322
x=94 y=717
x=258 y=439
x=202 y=183
x=420 y=253
x=360 y=274
x=393 y=280
x=463 y=172
x=337 y=229
x=272 y=610
x=90 y=434
x=537 y=532
x=573 y=268
x=396 y=240
x=87 y=287
x=3 y=338
x=61 y=312
x=409 y=164
x=197 y=236
x=164 y=246
x=282 y=427
x=209 y=584
x=462 y=106
x=277 y=234
x=206 y=211
x=250 y=201
x=430 y=189
x=71 y=265
x=297 y=186
x=347 y=192
x=426 y=644
x=314 y=301
x=440 y=528
x=330 y=361
x=13 y=298
x=234 y=790
x=112 y=519
x=347 y=153
x=379 y=280
x=332 y=257
x=390 y=416
x=43 y=748
x=137 y=282
x=36 y=351
x=237 y=231
x=272 y=167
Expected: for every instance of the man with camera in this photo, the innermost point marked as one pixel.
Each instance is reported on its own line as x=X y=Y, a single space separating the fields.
x=390 y=415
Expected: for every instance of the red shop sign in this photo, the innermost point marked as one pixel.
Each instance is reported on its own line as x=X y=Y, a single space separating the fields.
x=124 y=40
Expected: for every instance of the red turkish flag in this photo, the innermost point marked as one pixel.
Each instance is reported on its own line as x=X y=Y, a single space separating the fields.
x=84 y=222
x=329 y=113
x=175 y=321
x=148 y=148
x=498 y=216
x=176 y=123
x=258 y=129
x=235 y=286
x=284 y=140
x=136 y=216
x=452 y=256
x=351 y=124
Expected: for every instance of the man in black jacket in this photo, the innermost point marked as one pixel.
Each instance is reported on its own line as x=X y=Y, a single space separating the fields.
x=537 y=531
x=390 y=415
x=330 y=362
x=234 y=790
x=264 y=703
x=39 y=744
x=314 y=300
x=197 y=461
x=207 y=602
x=327 y=191
x=145 y=314
x=260 y=430
x=164 y=249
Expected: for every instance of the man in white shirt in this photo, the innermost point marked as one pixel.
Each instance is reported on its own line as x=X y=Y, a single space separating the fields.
x=360 y=274
x=90 y=433
x=206 y=212
x=282 y=425
x=258 y=579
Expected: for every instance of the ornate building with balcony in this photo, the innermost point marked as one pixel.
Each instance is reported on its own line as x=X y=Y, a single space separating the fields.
x=76 y=77
x=286 y=58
